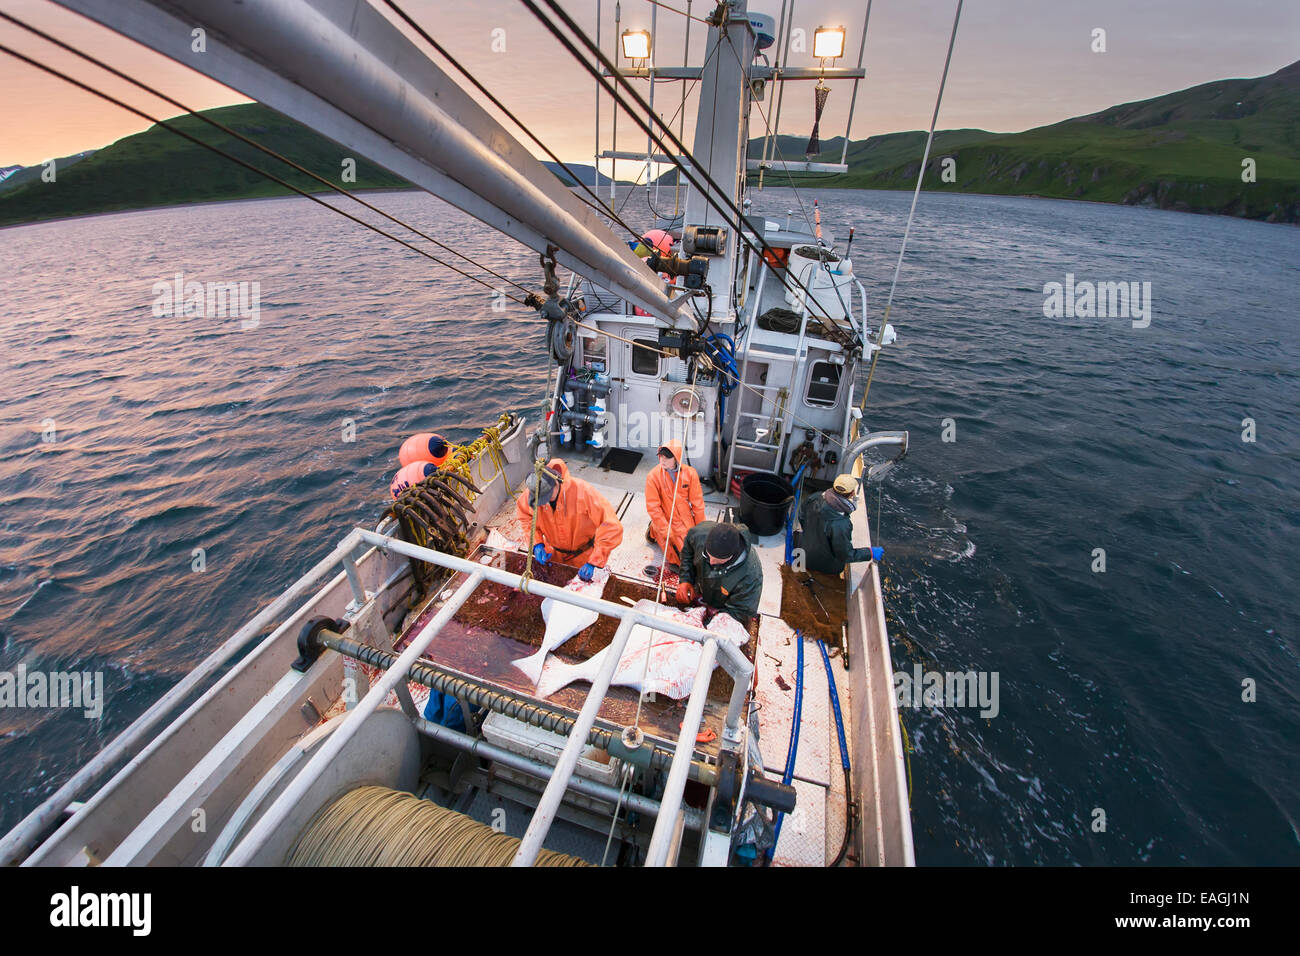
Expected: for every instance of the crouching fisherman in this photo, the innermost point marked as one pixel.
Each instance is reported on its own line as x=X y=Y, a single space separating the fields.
x=720 y=567
x=828 y=529
x=575 y=524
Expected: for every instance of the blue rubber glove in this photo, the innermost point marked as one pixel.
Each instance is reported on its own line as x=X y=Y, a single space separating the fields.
x=877 y=554
x=586 y=572
x=539 y=553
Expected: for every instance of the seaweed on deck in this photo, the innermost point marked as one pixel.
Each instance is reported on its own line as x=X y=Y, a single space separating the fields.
x=801 y=611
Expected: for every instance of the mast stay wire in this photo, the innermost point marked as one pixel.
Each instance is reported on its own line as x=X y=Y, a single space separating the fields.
x=681 y=13
x=680 y=110
x=250 y=142
x=920 y=176
x=255 y=145
x=270 y=176
x=424 y=34
x=251 y=168
x=731 y=214
x=164 y=124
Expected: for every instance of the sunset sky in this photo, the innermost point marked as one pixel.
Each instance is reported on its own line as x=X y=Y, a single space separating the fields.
x=1017 y=64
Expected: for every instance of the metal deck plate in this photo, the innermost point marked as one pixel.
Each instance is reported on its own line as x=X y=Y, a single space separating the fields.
x=803 y=834
x=776 y=706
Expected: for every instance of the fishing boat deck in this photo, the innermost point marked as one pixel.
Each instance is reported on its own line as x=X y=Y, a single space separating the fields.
x=500 y=625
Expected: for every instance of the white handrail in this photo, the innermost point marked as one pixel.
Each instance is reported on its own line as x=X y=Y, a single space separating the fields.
x=671 y=801
x=278 y=812
x=544 y=814
x=20 y=839
x=734 y=661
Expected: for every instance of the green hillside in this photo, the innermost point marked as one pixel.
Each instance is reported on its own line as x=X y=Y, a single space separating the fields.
x=159 y=168
x=1181 y=151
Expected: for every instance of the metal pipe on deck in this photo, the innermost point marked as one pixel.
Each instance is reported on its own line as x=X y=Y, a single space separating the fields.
x=544 y=815
x=279 y=811
x=591 y=788
x=526 y=711
x=671 y=801
x=21 y=838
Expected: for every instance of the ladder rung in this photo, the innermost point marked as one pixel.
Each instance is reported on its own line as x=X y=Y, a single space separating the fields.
x=743 y=443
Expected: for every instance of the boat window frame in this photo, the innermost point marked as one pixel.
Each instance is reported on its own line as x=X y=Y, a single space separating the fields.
x=649 y=346
x=811 y=381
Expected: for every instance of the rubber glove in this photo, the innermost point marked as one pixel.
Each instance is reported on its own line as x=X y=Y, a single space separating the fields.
x=877 y=554
x=586 y=571
x=685 y=593
x=539 y=553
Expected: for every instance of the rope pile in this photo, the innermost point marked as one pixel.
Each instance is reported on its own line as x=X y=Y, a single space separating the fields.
x=376 y=826
x=463 y=457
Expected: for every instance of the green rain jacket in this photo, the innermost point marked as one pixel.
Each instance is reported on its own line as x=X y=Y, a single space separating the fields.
x=828 y=537
x=734 y=587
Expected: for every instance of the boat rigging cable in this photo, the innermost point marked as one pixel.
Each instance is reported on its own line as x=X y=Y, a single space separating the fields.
x=254 y=169
x=272 y=177
x=681 y=13
x=782 y=36
x=424 y=35
x=731 y=213
x=920 y=175
x=781 y=159
x=686 y=91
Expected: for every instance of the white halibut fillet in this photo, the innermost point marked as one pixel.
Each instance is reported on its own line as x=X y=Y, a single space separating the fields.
x=562 y=622
x=673 y=660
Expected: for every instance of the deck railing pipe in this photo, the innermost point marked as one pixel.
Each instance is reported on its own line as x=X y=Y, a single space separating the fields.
x=279 y=811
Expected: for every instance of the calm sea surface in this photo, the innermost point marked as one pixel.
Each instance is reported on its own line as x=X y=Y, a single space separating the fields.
x=1120 y=692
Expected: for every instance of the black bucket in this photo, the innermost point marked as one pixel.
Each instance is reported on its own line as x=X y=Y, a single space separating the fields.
x=764 y=501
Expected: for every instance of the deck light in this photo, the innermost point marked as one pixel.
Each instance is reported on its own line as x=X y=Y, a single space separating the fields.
x=636 y=44
x=828 y=43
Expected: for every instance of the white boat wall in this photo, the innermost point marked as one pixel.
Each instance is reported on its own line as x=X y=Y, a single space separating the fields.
x=243 y=772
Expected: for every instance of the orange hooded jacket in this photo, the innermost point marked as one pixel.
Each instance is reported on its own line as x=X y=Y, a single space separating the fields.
x=582 y=527
x=688 y=511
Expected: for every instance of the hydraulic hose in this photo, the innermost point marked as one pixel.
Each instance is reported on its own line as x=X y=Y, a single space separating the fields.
x=792 y=753
x=844 y=756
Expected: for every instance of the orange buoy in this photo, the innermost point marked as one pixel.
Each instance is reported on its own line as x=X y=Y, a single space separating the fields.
x=426 y=446
x=411 y=474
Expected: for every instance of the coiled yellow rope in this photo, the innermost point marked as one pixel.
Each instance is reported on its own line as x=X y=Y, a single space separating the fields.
x=376 y=826
x=465 y=456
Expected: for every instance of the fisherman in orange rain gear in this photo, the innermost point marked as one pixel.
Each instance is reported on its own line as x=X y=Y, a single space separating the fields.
x=575 y=524
x=687 y=511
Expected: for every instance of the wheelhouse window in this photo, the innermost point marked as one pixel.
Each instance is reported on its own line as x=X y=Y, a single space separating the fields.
x=645 y=357
x=823 y=384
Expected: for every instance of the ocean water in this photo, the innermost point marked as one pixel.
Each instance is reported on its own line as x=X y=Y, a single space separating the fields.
x=131 y=440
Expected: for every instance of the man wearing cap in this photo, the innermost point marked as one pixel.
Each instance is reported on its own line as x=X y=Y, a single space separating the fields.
x=575 y=524
x=828 y=529
x=674 y=501
x=721 y=567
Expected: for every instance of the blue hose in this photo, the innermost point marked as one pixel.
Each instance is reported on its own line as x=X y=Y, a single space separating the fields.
x=792 y=752
x=844 y=753
x=726 y=358
x=835 y=704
